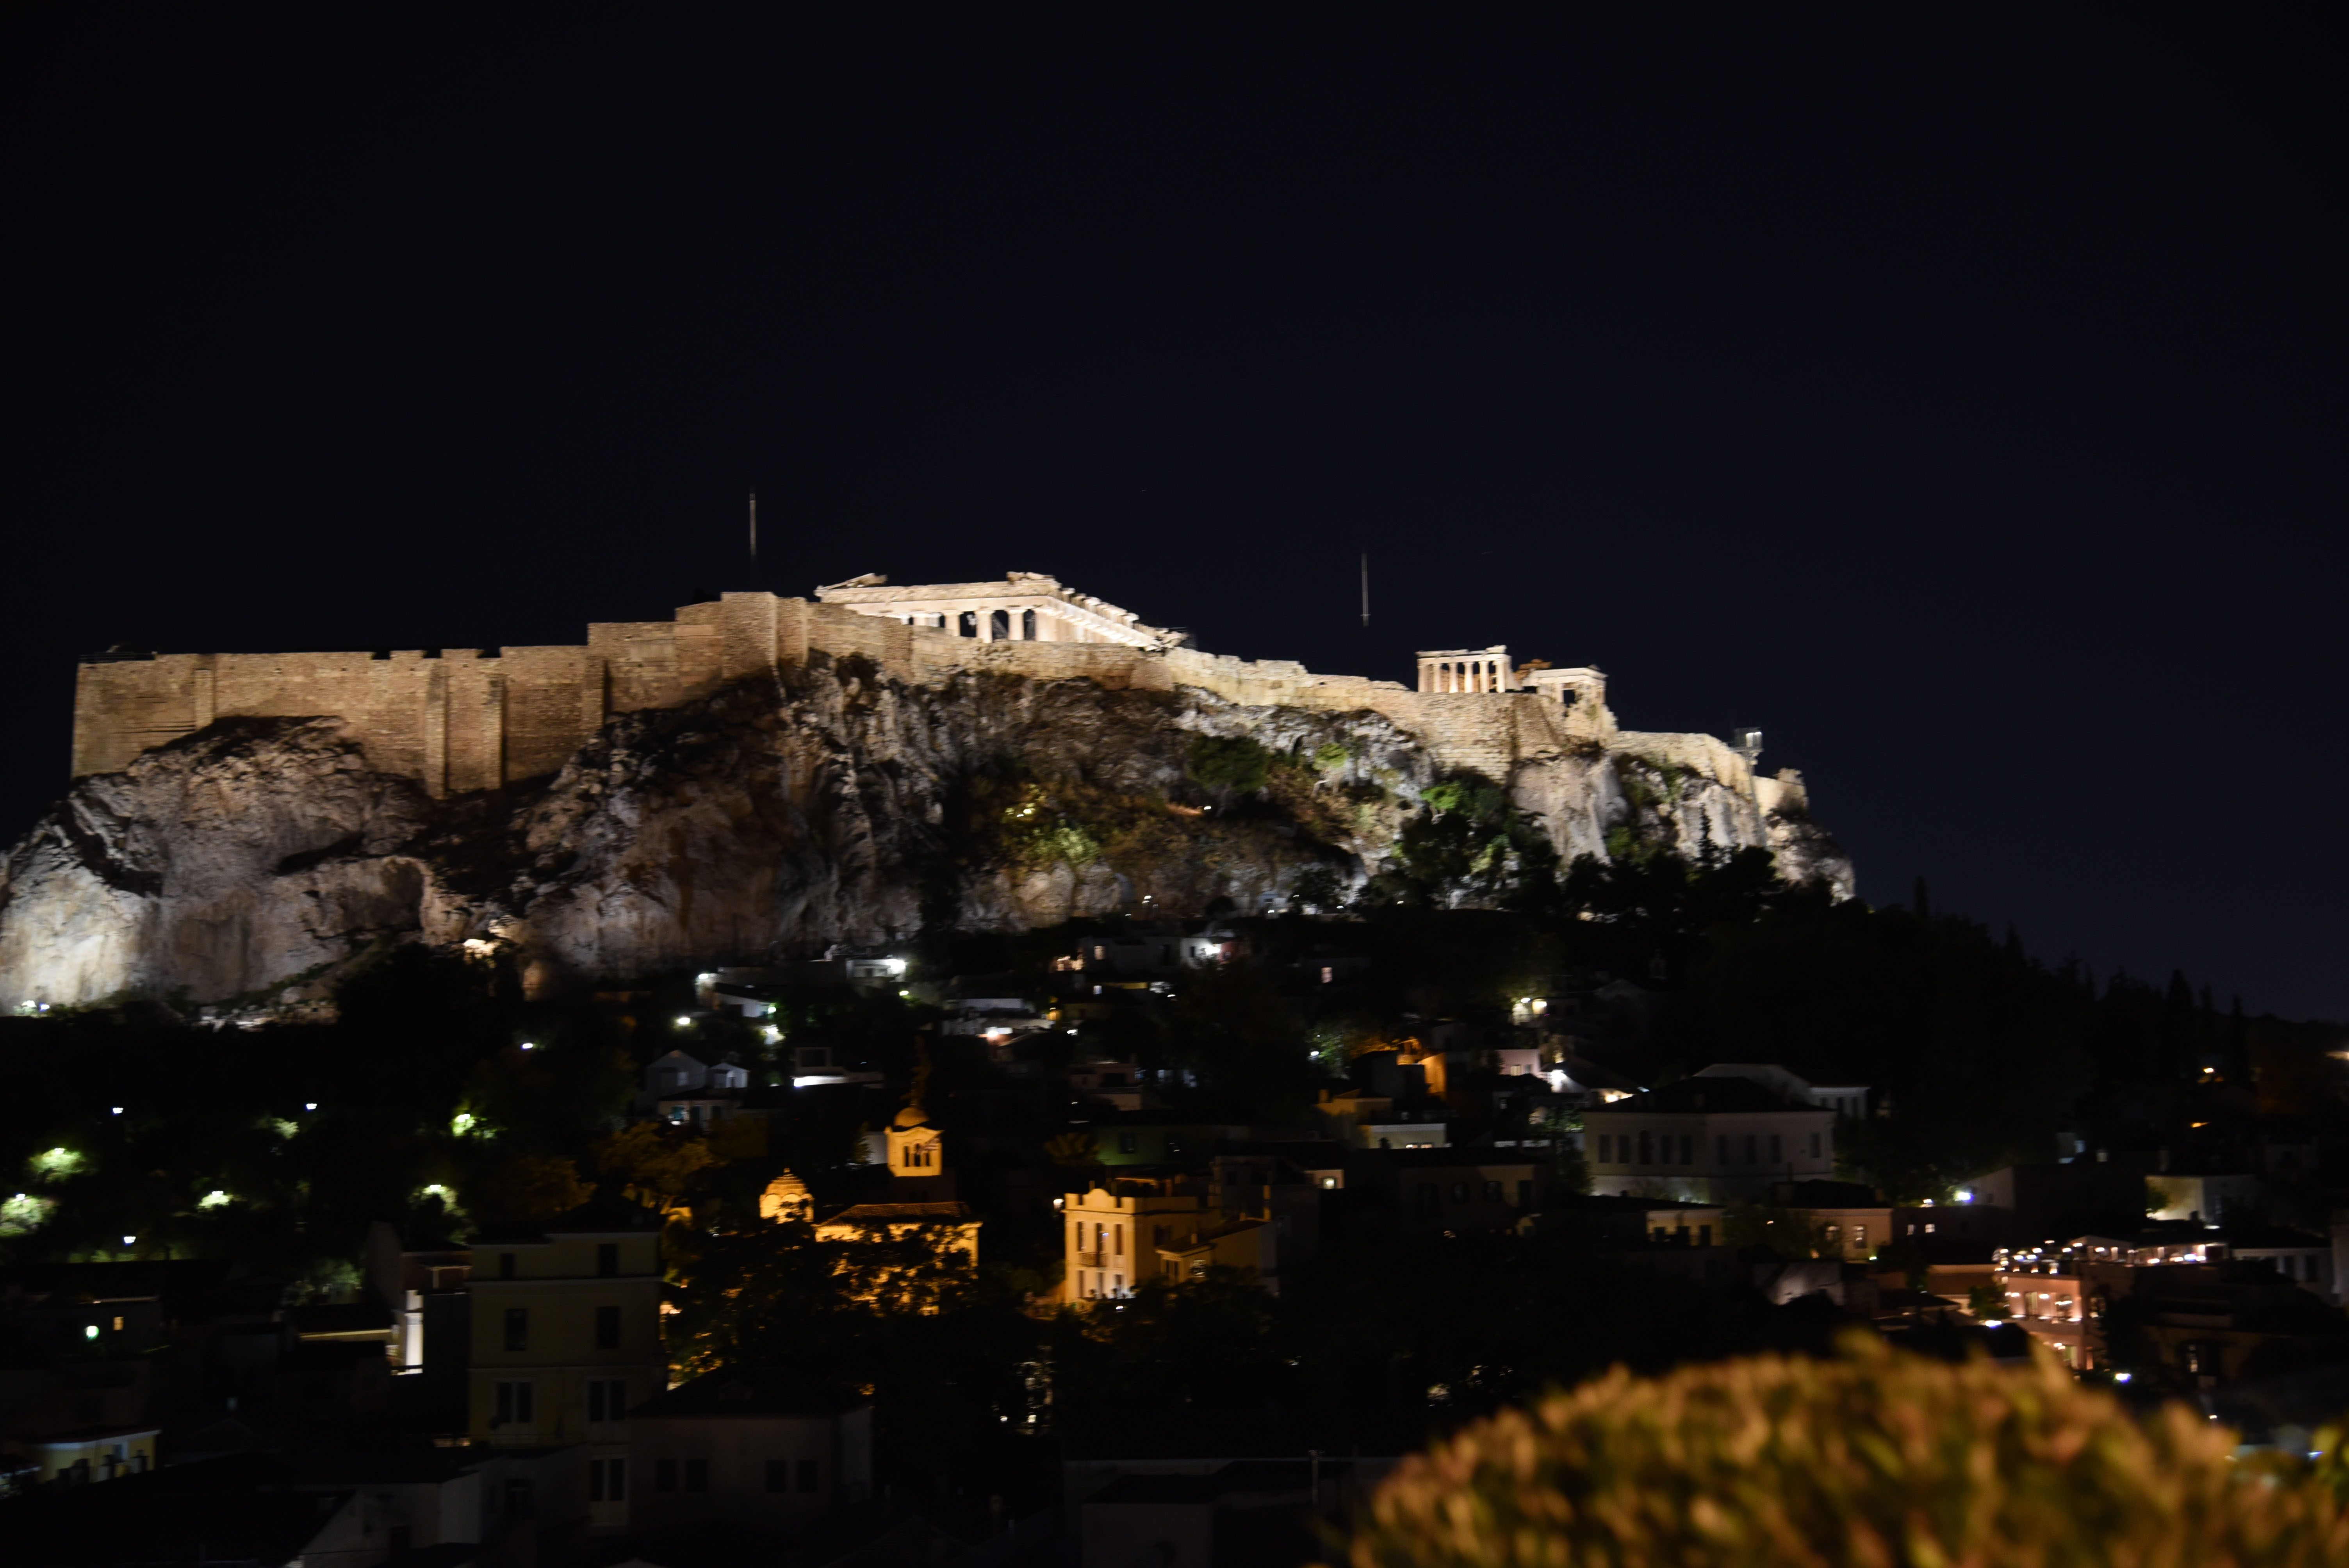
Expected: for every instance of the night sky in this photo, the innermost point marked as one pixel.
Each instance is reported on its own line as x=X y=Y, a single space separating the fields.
x=1960 y=399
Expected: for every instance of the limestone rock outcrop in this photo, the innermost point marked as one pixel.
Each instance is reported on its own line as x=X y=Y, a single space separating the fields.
x=246 y=864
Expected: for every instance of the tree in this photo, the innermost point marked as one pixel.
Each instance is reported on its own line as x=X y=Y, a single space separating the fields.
x=1073 y=1151
x=780 y=1294
x=527 y=1187
x=1874 y=1457
x=1788 y=1232
x=655 y=1161
x=1207 y=1341
x=1910 y=1258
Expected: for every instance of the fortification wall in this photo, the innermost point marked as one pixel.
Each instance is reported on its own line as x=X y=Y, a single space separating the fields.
x=1701 y=754
x=465 y=719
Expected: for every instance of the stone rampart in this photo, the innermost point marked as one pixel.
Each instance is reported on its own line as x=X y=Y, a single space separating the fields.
x=464 y=719
x=1701 y=754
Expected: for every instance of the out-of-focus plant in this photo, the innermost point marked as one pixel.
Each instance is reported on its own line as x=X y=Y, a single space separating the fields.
x=1875 y=1458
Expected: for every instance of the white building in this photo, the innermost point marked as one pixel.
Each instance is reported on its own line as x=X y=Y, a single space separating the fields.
x=1719 y=1137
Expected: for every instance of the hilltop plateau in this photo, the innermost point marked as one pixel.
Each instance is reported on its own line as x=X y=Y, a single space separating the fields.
x=249 y=863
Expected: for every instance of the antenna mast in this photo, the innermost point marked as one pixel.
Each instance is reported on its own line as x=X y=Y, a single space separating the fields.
x=1365 y=587
x=754 y=525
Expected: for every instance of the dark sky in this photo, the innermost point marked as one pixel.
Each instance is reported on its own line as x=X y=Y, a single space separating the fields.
x=1959 y=398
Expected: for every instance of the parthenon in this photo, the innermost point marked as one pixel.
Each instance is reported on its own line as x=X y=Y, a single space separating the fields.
x=1025 y=607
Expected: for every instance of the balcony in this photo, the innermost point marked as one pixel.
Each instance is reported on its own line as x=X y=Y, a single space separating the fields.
x=1092 y=1260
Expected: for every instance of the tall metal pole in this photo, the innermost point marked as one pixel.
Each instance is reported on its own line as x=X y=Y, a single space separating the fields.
x=1365 y=587
x=754 y=525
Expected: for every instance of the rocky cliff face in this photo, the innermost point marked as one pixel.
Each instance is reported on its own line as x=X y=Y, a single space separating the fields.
x=246 y=864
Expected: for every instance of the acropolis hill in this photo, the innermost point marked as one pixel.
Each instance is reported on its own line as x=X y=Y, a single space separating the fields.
x=763 y=773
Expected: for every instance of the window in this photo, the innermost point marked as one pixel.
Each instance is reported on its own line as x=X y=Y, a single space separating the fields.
x=1117 y=1241
x=517 y=1328
x=505 y=1266
x=696 y=1475
x=1492 y=1191
x=1704 y=1235
x=1776 y=1156
x=607 y=1398
x=516 y=1403
x=607 y=1480
x=1128 y=1142
x=1859 y=1237
x=1721 y=1150
x=517 y=1496
x=1688 y=1150
x=664 y=1475
x=1646 y=1146
x=1526 y=1195
x=779 y=1475
x=607 y=1328
x=1750 y=1155
x=1028 y=625
x=1605 y=1149
x=1815 y=1146
x=1460 y=1191
x=1423 y=1197
x=608 y=1260
x=810 y=1475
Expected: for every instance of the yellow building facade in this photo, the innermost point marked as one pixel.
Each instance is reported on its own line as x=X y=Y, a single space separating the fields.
x=566 y=1338
x=1163 y=1227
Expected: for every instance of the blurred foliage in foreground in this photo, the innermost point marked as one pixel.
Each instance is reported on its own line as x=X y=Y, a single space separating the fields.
x=1869 y=1459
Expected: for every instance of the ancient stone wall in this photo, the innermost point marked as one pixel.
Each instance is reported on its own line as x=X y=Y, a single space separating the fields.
x=464 y=719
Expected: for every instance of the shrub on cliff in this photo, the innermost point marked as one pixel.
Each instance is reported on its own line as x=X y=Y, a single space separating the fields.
x=1876 y=1458
x=1227 y=766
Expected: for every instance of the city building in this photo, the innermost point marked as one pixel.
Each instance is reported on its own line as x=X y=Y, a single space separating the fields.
x=1715 y=1137
x=1407 y=1191
x=1139 y=1224
x=566 y=1338
x=753 y=1447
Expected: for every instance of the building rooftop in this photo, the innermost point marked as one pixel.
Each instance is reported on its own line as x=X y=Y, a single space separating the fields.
x=605 y=1214
x=1693 y=1095
x=1443 y=1158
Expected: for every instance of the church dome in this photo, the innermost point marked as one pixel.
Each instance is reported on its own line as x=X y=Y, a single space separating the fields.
x=910 y=1117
